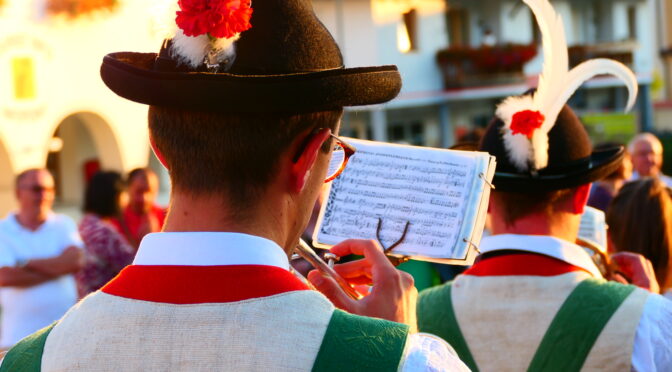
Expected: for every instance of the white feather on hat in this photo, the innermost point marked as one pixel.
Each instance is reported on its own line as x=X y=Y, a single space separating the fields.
x=556 y=85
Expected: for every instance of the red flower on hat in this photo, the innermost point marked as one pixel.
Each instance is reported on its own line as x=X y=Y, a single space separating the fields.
x=217 y=18
x=526 y=122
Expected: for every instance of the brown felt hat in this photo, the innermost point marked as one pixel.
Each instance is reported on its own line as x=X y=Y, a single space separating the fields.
x=286 y=62
x=571 y=159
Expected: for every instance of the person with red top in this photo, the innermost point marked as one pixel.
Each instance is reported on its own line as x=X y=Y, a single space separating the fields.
x=106 y=252
x=141 y=216
x=534 y=300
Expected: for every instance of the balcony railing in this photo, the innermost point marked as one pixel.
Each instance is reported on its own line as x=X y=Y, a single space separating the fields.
x=619 y=51
x=488 y=65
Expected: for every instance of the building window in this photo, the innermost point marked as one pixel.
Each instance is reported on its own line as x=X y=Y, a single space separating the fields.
x=458 y=27
x=407 y=32
x=412 y=133
x=536 y=31
x=632 y=22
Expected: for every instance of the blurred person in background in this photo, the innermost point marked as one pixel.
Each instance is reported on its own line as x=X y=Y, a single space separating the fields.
x=141 y=216
x=604 y=190
x=39 y=252
x=646 y=151
x=106 y=251
x=640 y=221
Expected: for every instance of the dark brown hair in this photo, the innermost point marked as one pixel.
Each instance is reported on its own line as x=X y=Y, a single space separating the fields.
x=516 y=205
x=640 y=221
x=234 y=155
x=101 y=196
x=137 y=172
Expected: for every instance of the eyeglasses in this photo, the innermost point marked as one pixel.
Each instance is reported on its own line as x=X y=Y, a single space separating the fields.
x=339 y=158
x=37 y=188
x=342 y=151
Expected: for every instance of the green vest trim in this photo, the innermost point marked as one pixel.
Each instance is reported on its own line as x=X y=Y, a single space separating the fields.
x=437 y=316
x=356 y=343
x=26 y=356
x=573 y=331
x=578 y=324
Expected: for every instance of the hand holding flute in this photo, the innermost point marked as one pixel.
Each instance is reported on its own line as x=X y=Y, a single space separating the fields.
x=393 y=295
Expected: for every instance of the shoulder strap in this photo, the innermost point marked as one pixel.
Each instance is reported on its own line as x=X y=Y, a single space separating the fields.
x=577 y=325
x=26 y=356
x=357 y=343
x=437 y=316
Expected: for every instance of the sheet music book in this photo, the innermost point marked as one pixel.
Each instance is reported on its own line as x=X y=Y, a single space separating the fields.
x=443 y=193
x=593 y=228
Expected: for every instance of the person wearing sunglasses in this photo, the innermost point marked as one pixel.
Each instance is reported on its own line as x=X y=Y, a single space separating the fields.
x=39 y=253
x=244 y=116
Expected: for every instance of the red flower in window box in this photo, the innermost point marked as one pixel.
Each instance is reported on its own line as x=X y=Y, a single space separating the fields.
x=217 y=18
x=526 y=122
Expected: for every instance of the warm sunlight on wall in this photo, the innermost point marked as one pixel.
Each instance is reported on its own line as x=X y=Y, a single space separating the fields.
x=390 y=11
x=403 y=38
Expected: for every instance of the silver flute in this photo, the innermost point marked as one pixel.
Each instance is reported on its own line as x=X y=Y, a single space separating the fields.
x=308 y=254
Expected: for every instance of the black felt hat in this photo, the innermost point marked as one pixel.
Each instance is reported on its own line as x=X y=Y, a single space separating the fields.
x=286 y=62
x=571 y=159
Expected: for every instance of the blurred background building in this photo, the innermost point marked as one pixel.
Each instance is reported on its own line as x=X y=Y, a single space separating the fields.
x=54 y=109
x=458 y=59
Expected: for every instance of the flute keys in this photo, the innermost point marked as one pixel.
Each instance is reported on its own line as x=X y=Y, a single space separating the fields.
x=331 y=259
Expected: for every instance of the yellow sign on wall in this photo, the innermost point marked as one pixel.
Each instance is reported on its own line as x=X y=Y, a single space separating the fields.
x=23 y=71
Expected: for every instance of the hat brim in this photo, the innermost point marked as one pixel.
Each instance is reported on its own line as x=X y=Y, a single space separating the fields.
x=131 y=76
x=599 y=165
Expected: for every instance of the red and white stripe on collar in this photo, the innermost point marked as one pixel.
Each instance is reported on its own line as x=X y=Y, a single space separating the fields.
x=205 y=267
x=544 y=256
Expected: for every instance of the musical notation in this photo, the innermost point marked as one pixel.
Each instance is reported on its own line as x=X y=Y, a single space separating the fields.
x=429 y=188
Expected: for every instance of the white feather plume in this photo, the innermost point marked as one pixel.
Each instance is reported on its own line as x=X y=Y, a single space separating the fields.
x=191 y=51
x=556 y=59
x=589 y=69
x=556 y=85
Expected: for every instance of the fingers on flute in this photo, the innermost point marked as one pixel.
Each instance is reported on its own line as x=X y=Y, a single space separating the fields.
x=354 y=269
x=356 y=246
x=331 y=290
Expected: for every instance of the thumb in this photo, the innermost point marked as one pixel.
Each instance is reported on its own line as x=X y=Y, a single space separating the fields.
x=331 y=290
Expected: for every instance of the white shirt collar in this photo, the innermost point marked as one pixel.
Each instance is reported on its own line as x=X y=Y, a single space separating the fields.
x=546 y=245
x=12 y=217
x=209 y=249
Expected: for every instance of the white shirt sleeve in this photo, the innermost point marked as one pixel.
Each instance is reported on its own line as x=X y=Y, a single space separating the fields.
x=652 y=351
x=425 y=352
x=7 y=256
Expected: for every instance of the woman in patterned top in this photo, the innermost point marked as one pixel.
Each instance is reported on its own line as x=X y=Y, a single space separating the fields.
x=106 y=251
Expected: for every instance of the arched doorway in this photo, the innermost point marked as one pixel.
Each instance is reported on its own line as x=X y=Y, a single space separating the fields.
x=7 y=199
x=82 y=144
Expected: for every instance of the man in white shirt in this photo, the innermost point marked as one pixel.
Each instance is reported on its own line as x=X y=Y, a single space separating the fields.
x=39 y=252
x=646 y=152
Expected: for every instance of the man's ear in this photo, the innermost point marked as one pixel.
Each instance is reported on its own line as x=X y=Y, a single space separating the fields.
x=158 y=153
x=580 y=198
x=301 y=168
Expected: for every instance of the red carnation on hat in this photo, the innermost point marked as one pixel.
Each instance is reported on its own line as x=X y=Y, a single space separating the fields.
x=526 y=122
x=217 y=18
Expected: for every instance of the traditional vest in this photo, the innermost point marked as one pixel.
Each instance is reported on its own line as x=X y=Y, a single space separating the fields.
x=184 y=318
x=530 y=312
